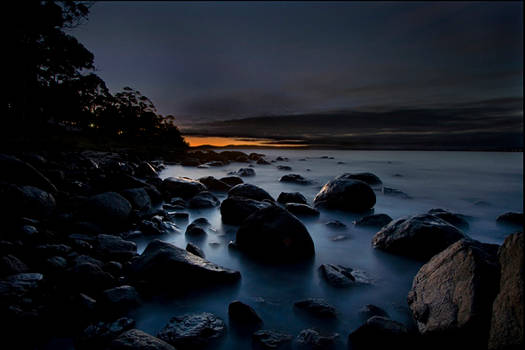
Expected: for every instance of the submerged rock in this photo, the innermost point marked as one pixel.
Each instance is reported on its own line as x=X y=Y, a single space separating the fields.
x=295 y=178
x=452 y=294
x=344 y=194
x=376 y=220
x=203 y=199
x=313 y=339
x=273 y=233
x=193 y=331
x=316 y=307
x=234 y=210
x=393 y=192
x=243 y=172
x=379 y=332
x=291 y=197
x=420 y=236
x=368 y=178
x=511 y=218
x=337 y=275
x=284 y=167
x=231 y=180
x=301 y=209
x=181 y=187
x=336 y=225
x=271 y=339
x=135 y=339
x=243 y=314
x=249 y=191
x=458 y=220
x=506 y=331
x=370 y=310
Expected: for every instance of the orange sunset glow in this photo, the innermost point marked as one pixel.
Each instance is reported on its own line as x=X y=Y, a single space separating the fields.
x=217 y=141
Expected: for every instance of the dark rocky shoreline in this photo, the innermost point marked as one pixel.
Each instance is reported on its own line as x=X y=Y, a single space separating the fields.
x=69 y=269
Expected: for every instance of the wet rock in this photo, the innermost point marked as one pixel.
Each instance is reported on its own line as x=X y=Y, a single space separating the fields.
x=344 y=194
x=336 y=225
x=113 y=267
x=115 y=248
x=48 y=250
x=109 y=209
x=301 y=209
x=157 y=226
x=249 y=191
x=368 y=178
x=243 y=314
x=193 y=331
x=262 y=161
x=243 y=172
x=291 y=197
x=192 y=248
x=203 y=199
x=15 y=287
x=181 y=187
x=231 y=180
x=511 y=218
x=313 y=339
x=506 y=331
x=376 y=220
x=452 y=294
x=234 y=210
x=274 y=233
x=284 y=167
x=161 y=263
x=98 y=335
x=197 y=227
x=119 y=298
x=28 y=201
x=271 y=339
x=179 y=216
x=458 y=220
x=11 y=265
x=379 y=332
x=281 y=159
x=135 y=339
x=316 y=307
x=296 y=179
x=370 y=310
x=87 y=277
x=337 y=275
x=56 y=263
x=138 y=198
x=388 y=191
x=420 y=236
x=214 y=184
x=18 y=172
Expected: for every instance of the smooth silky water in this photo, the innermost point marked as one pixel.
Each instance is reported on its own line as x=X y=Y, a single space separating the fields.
x=482 y=185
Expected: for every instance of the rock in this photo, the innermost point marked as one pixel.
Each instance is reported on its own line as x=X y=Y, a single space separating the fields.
x=262 y=161
x=231 y=180
x=316 y=307
x=336 y=225
x=179 y=216
x=243 y=314
x=97 y=335
x=291 y=197
x=301 y=209
x=344 y=194
x=420 y=236
x=11 y=265
x=48 y=250
x=387 y=191
x=368 y=178
x=215 y=185
x=511 y=218
x=249 y=191
x=157 y=226
x=370 y=310
x=138 y=198
x=145 y=169
x=197 y=227
x=19 y=172
x=284 y=167
x=115 y=248
x=379 y=332
x=312 y=339
x=337 y=275
x=271 y=339
x=120 y=298
x=109 y=209
x=161 y=263
x=113 y=267
x=296 y=179
x=281 y=159
x=452 y=294
x=135 y=339
x=506 y=331
x=192 y=248
x=28 y=201
x=15 y=287
x=181 y=187
x=376 y=220
x=193 y=331
x=234 y=210
x=274 y=233
x=243 y=172
x=87 y=277
x=203 y=199
x=455 y=219
x=56 y=263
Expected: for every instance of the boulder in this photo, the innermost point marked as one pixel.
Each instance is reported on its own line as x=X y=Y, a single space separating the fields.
x=393 y=192
x=249 y=191
x=262 y=161
x=18 y=172
x=181 y=187
x=335 y=225
x=458 y=220
x=452 y=294
x=274 y=233
x=243 y=172
x=313 y=339
x=511 y=218
x=234 y=210
x=197 y=227
x=214 y=184
x=192 y=248
x=379 y=332
x=119 y=298
x=376 y=220
x=109 y=209
x=88 y=277
x=98 y=335
x=506 y=330
x=138 y=198
x=420 y=236
x=193 y=331
x=203 y=199
x=114 y=248
x=301 y=209
x=243 y=314
x=11 y=265
x=284 y=167
x=271 y=339
x=296 y=179
x=161 y=263
x=369 y=178
x=337 y=275
x=291 y=197
x=316 y=307
x=370 y=310
x=135 y=339
x=231 y=180
x=28 y=201
x=345 y=194
x=145 y=169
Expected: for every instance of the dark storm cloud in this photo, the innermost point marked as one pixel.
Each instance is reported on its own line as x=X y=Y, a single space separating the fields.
x=211 y=61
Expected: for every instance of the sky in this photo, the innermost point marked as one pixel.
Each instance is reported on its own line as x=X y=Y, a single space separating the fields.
x=226 y=60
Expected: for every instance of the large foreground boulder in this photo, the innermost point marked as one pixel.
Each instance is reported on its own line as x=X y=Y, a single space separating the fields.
x=346 y=194
x=135 y=339
x=371 y=179
x=18 y=172
x=169 y=267
x=379 y=332
x=419 y=236
x=291 y=197
x=181 y=187
x=274 y=233
x=249 y=191
x=452 y=294
x=109 y=208
x=235 y=209
x=506 y=331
